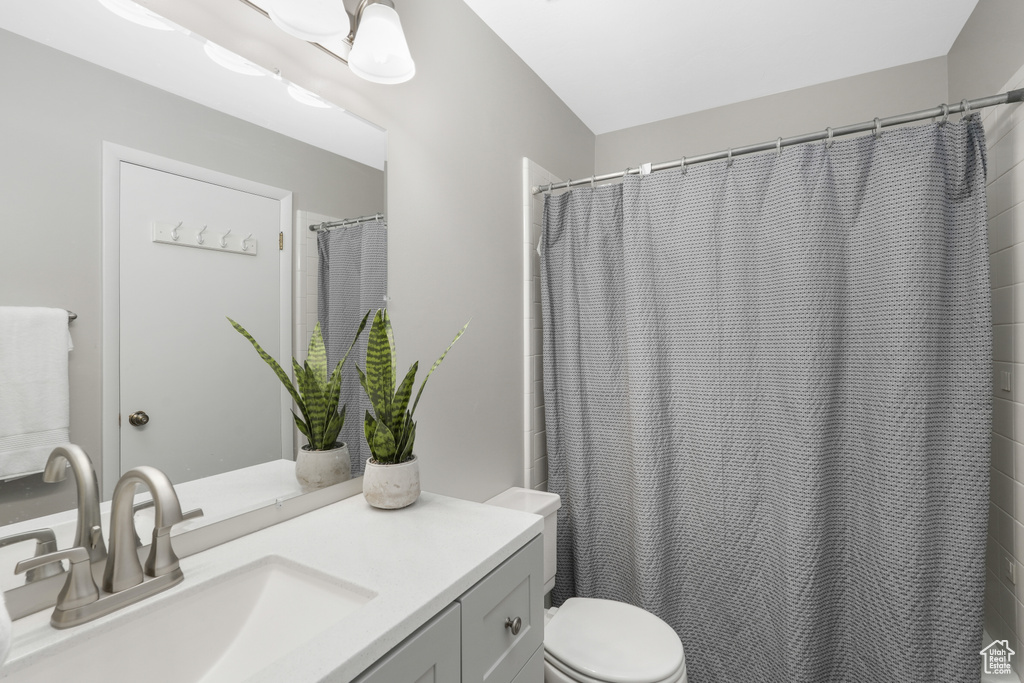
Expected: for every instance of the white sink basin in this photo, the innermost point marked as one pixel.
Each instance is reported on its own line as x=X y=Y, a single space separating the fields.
x=228 y=629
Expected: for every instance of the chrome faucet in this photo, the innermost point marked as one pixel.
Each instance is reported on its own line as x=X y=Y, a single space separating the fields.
x=124 y=582
x=123 y=568
x=88 y=533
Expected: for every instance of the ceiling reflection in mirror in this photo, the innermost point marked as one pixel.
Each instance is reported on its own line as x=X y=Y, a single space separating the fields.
x=80 y=80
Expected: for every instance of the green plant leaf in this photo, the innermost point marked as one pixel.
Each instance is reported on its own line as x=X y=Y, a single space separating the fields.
x=401 y=402
x=389 y=331
x=316 y=355
x=365 y=384
x=407 y=442
x=278 y=370
x=434 y=367
x=312 y=408
x=383 y=444
x=369 y=427
x=379 y=377
x=333 y=428
x=302 y=427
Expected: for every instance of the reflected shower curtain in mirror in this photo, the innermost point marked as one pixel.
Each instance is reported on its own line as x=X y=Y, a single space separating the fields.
x=768 y=405
x=353 y=279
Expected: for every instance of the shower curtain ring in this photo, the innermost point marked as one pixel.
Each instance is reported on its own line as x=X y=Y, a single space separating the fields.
x=965 y=109
x=828 y=140
x=568 y=184
x=945 y=114
x=591 y=182
x=728 y=163
x=682 y=166
x=878 y=127
x=778 y=146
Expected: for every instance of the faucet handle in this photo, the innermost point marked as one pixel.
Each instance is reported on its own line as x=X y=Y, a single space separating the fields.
x=192 y=514
x=79 y=589
x=46 y=542
x=162 y=559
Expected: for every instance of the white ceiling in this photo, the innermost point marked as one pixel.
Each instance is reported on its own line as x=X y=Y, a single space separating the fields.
x=629 y=62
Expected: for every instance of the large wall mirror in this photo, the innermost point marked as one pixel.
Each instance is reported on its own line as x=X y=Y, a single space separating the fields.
x=94 y=106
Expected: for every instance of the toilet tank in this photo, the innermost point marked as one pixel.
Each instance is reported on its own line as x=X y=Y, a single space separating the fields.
x=540 y=503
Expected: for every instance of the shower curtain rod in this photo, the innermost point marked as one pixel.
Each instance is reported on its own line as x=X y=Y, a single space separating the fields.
x=943 y=110
x=319 y=227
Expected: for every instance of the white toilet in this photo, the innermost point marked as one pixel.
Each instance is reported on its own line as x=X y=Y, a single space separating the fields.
x=588 y=640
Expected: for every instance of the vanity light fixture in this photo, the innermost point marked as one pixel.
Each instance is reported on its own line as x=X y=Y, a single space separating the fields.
x=229 y=60
x=126 y=9
x=306 y=97
x=378 y=50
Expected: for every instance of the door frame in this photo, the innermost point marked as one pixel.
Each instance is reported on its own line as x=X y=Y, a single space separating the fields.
x=110 y=381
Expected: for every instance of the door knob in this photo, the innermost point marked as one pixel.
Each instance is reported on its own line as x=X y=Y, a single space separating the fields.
x=138 y=418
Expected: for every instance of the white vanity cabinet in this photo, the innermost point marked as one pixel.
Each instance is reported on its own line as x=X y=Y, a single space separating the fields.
x=491 y=634
x=431 y=655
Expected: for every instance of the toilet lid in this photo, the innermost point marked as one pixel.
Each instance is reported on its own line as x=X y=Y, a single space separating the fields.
x=612 y=641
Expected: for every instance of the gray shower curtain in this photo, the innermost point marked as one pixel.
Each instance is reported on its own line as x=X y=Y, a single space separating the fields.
x=353 y=279
x=768 y=405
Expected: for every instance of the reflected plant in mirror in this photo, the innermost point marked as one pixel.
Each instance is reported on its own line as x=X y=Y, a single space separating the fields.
x=159 y=95
x=324 y=461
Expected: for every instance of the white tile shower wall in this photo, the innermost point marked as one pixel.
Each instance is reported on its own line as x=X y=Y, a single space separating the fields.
x=535 y=457
x=1004 y=589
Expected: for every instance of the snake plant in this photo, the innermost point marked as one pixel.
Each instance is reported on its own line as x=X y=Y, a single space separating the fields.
x=316 y=393
x=390 y=431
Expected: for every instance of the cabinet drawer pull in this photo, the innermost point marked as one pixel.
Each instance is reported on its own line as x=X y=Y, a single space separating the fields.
x=514 y=625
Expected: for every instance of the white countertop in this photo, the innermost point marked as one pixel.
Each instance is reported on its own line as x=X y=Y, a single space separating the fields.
x=416 y=560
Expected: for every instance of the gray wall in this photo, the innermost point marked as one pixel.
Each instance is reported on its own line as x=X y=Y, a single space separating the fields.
x=457 y=134
x=988 y=51
x=58 y=111
x=836 y=103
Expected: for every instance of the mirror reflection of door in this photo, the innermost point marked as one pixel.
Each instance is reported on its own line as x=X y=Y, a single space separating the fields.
x=211 y=404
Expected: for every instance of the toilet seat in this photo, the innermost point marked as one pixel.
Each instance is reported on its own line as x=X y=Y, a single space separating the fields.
x=589 y=640
x=557 y=672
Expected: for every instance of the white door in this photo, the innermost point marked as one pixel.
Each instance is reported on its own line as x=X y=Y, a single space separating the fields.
x=212 y=404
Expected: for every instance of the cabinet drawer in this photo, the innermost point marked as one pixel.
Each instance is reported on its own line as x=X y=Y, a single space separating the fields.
x=491 y=653
x=430 y=655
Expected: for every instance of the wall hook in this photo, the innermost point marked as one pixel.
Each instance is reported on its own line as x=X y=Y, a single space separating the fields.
x=174 y=231
x=224 y=239
x=245 y=242
x=199 y=236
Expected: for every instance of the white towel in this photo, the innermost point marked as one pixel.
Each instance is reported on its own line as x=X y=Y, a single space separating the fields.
x=5 y=630
x=34 y=398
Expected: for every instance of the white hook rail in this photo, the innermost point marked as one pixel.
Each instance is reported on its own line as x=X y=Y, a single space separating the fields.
x=180 y=235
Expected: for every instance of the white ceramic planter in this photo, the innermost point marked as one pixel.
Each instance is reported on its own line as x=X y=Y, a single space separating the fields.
x=317 y=469
x=390 y=487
